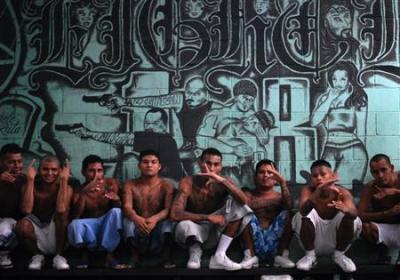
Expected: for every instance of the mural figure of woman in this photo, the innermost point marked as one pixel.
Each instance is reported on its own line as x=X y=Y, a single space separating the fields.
x=342 y=112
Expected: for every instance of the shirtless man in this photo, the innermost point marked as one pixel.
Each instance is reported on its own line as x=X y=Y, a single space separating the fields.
x=209 y=208
x=46 y=203
x=271 y=219
x=327 y=222
x=146 y=204
x=379 y=206
x=96 y=213
x=11 y=181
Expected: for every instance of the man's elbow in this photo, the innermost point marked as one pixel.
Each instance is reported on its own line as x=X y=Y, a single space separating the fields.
x=26 y=210
x=175 y=216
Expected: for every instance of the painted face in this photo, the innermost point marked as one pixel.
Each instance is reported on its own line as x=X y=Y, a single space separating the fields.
x=261 y=6
x=340 y=80
x=263 y=177
x=49 y=171
x=12 y=163
x=213 y=162
x=93 y=170
x=154 y=123
x=149 y=166
x=85 y=16
x=195 y=94
x=244 y=102
x=194 y=8
x=320 y=174
x=382 y=171
x=338 y=20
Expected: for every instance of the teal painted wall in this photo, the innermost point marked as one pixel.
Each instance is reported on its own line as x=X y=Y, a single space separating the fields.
x=292 y=81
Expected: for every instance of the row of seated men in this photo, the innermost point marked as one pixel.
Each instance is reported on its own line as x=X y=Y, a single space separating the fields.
x=43 y=212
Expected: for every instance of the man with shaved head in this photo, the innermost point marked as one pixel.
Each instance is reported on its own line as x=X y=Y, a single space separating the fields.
x=46 y=201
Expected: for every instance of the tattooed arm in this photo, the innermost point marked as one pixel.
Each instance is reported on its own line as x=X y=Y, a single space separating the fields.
x=178 y=209
x=306 y=201
x=129 y=209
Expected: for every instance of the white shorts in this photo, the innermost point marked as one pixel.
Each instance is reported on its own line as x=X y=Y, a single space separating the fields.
x=207 y=233
x=325 y=230
x=45 y=234
x=7 y=235
x=389 y=234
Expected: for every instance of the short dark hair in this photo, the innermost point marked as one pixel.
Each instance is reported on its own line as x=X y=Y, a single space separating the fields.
x=91 y=159
x=378 y=157
x=164 y=115
x=149 y=152
x=264 y=162
x=320 y=162
x=245 y=87
x=10 y=148
x=210 y=151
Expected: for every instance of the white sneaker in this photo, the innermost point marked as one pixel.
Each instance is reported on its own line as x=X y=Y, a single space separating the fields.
x=60 y=263
x=194 y=261
x=223 y=262
x=307 y=262
x=276 y=277
x=5 y=261
x=284 y=262
x=345 y=263
x=37 y=262
x=249 y=262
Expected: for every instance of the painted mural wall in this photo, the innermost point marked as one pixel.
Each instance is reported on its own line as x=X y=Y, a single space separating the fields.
x=288 y=80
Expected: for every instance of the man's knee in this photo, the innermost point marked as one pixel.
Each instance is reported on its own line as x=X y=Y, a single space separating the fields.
x=306 y=223
x=370 y=232
x=184 y=226
x=61 y=219
x=24 y=228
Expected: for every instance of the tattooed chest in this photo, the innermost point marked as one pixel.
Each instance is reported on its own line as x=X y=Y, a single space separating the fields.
x=148 y=202
x=206 y=202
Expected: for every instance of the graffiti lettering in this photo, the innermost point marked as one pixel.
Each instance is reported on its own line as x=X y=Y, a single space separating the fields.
x=9 y=125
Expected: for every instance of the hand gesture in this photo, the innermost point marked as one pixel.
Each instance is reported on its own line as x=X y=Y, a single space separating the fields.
x=65 y=171
x=94 y=185
x=217 y=220
x=275 y=175
x=111 y=195
x=7 y=177
x=31 y=171
x=81 y=132
x=329 y=181
x=395 y=210
x=339 y=205
x=384 y=192
x=115 y=102
x=210 y=174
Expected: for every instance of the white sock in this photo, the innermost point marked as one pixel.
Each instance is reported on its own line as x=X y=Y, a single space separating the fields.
x=194 y=248
x=310 y=253
x=223 y=244
x=247 y=253
x=285 y=253
x=338 y=253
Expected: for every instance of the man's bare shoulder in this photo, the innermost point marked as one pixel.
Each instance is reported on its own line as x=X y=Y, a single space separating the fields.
x=132 y=183
x=186 y=183
x=109 y=180
x=307 y=188
x=344 y=191
x=167 y=184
